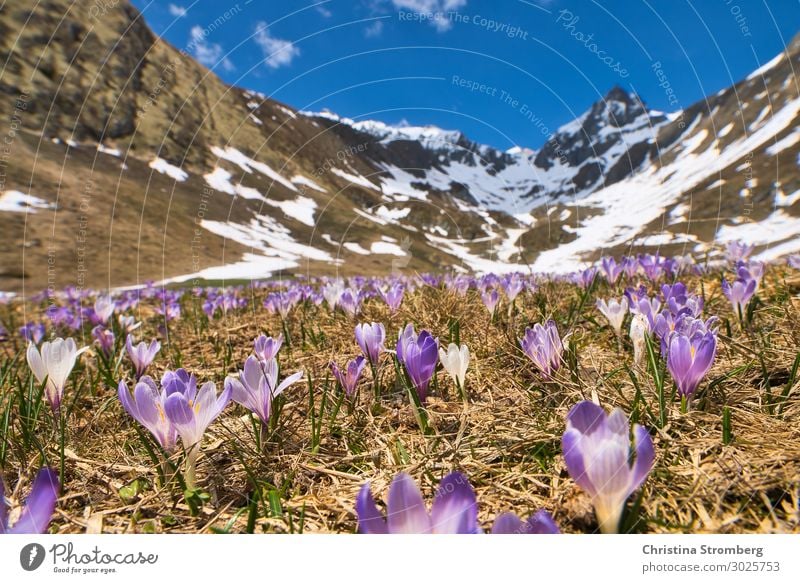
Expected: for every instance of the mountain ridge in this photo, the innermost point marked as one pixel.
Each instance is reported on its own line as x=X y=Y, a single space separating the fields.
x=199 y=179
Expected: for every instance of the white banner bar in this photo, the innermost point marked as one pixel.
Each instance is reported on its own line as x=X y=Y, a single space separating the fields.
x=335 y=558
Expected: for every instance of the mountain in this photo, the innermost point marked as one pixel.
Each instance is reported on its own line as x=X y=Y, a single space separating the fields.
x=129 y=161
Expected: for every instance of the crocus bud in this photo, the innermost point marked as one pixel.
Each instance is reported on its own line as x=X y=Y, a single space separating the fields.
x=370 y=338
x=614 y=311
x=490 y=299
x=53 y=362
x=639 y=331
x=348 y=378
x=142 y=354
x=544 y=347
x=103 y=309
x=455 y=361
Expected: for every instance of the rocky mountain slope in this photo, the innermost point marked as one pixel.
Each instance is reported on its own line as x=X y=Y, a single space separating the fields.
x=129 y=161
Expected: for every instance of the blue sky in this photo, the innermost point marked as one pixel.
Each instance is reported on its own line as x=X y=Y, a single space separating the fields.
x=504 y=72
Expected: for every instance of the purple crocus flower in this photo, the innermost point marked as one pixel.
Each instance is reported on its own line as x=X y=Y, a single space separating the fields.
x=490 y=299
x=597 y=452
x=794 y=261
x=147 y=406
x=690 y=357
x=141 y=355
x=38 y=510
x=267 y=347
x=257 y=386
x=538 y=523
x=104 y=338
x=611 y=269
x=370 y=338
x=191 y=410
x=419 y=355
x=738 y=250
x=350 y=302
x=454 y=509
x=393 y=296
x=460 y=285
x=348 y=379
x=210 y=307
x=640 y=303
x=679 y=301
x=652 y=265
x=513 y=285
x=586 y=277
x=751 y=270
x=739 y=293
x=544 y=347
x=630 y=265
x=282 y=302
x=33 y=332
x=103 y=310
x=663 y=326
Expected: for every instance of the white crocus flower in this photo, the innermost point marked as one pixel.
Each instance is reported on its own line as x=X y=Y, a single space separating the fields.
x=614 y=311
x=128 y=323
x=54 y=362
x=332 y=292
x=104 y=308
x=455 y=361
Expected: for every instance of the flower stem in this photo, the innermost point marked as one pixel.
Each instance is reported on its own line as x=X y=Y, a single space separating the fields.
x=190 y=475
x=375 y=380
x=61 y=440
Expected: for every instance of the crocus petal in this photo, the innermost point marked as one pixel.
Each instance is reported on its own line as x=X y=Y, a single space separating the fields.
x=542 y=523
x=608 y=470
x=370 y=520
x=178 y=410
x=573 y=457
x=586 y=417
x=36 y=363
x=508 y=523
x=645 y=455
x=238 y=392
x=406 y=513
x=40 y=504
x=455 y=507
x=290 y=380
x=146 y=409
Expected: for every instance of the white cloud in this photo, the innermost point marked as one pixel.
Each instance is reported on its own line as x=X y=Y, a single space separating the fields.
x=438 y=8
x=324 y=12
x=374 y=29
x=206 y=53
x=277 y=52
x=177 y=11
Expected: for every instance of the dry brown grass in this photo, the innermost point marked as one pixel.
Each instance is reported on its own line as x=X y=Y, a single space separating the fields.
x=507 y=440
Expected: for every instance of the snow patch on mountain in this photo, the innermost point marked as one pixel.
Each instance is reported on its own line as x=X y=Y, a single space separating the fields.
x=248 y=164
x=164 y=167
x=301 y=209
x=14 y=201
